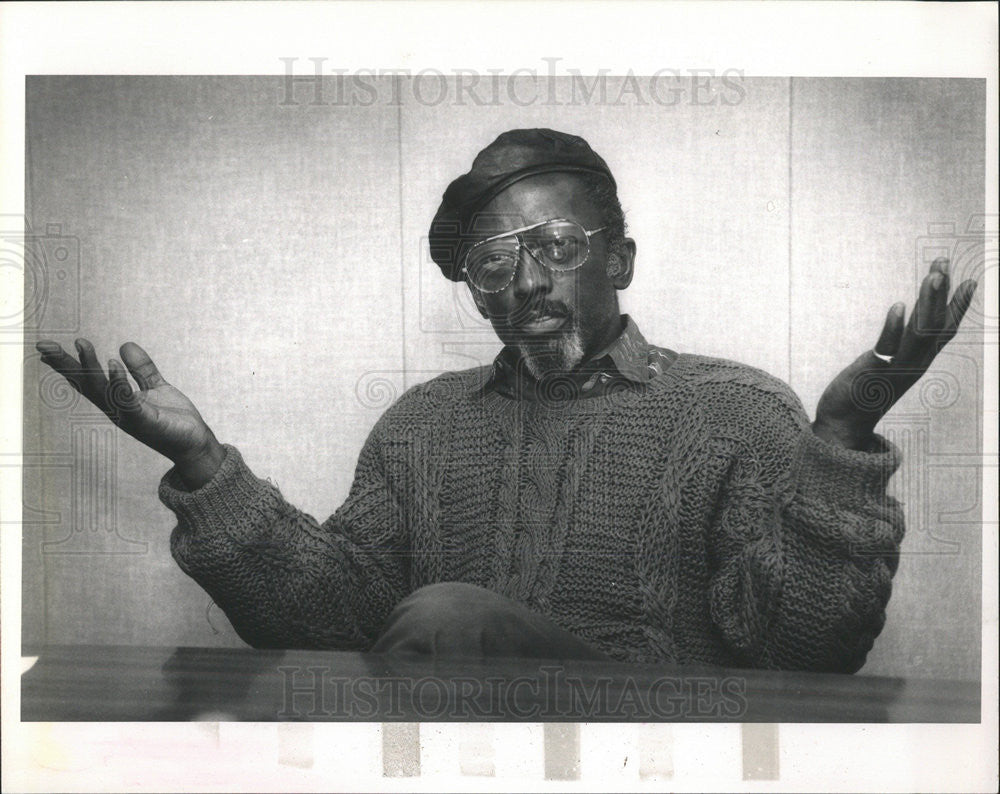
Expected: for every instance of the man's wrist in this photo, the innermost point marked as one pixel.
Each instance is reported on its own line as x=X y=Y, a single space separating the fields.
x=197 y=469
x=844 y=434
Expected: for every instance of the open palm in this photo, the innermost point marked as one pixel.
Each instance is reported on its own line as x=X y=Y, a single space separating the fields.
x=865 y=390
x=158 y=414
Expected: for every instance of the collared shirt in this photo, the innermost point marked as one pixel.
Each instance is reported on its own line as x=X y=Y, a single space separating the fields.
x=629 y=359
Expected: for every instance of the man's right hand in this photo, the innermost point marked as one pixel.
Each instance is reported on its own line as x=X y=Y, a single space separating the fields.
x=158 y=415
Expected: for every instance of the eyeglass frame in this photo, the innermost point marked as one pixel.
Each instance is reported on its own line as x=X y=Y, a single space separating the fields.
x=516 y=234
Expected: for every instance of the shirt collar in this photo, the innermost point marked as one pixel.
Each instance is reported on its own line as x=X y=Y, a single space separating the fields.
x=628 y=356
x=629 y=353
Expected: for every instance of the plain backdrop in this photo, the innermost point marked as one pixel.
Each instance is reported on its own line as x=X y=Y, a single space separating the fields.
x=269 y=252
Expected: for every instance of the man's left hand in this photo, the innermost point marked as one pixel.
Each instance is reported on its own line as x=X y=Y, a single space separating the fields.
x=864 y=391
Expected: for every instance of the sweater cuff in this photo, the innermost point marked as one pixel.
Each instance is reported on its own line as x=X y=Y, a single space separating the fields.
x=235 y=498
x=846 y=477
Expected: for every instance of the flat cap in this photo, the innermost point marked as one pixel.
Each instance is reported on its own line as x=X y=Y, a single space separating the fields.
x=513 y=156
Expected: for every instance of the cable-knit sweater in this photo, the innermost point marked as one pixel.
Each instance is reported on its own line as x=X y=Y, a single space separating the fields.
x=695 y=517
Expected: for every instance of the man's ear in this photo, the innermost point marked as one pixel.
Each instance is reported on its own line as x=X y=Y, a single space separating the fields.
x=621 y=276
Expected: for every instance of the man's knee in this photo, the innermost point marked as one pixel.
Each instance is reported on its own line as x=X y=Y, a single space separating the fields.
x=451 y=618
x=459 y=619
x=449 y=600
x=447 y=607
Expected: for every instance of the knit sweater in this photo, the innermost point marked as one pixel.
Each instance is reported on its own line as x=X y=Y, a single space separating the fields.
x=692 y=518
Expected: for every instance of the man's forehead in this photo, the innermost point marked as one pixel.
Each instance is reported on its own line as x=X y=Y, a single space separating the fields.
x=534 y=200
x=485 y=224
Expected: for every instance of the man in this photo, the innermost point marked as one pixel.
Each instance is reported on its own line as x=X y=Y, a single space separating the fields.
x=587 y=496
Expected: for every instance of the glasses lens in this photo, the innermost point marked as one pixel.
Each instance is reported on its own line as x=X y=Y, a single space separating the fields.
x=491 y=265
x=560 y=245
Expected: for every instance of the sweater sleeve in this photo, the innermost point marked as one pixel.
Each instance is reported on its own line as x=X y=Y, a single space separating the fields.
x=806 y=542
x=283 y=579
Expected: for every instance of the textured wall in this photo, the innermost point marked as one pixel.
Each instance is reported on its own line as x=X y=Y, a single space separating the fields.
x=271 y=258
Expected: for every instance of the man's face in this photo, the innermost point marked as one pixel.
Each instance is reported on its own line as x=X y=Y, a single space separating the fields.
x=555 y=319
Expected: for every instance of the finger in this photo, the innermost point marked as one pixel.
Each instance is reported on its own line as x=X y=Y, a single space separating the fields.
x=62 y=362
x=941 y=283
x=940 y=265
x=930 y=305
x=960 y=303
x=892 y=331
x=92 y=373
x=916 y=341
x=120 y=394
x=141 y=366
x=957 y=308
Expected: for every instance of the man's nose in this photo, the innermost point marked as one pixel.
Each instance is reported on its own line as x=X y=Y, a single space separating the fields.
x=532 y=277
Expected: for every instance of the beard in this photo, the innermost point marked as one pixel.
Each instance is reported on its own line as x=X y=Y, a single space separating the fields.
x=558 y=353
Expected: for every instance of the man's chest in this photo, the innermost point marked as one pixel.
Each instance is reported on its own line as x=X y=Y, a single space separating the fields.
x=506 y=504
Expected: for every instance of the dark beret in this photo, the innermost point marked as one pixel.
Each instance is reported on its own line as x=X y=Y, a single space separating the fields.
x=513 y=156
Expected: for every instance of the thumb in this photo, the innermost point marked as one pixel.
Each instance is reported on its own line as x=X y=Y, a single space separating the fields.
x=141 y=366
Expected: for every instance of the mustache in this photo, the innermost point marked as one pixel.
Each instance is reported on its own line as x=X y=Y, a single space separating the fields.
x=540 y=307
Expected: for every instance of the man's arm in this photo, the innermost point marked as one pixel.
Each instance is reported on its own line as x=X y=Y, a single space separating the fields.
x=806 y=540
x=804 y=544
x=283 y=579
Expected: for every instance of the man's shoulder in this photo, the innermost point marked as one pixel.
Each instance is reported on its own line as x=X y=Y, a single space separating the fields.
x=439 y=393
x=727 y=386
x=451 y=385
x=698 y=369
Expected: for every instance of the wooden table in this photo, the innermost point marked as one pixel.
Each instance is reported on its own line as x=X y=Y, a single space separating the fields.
x=95 y=683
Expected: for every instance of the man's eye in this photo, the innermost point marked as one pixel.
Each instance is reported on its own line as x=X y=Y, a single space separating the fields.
x=493 y=261
x=558 y=249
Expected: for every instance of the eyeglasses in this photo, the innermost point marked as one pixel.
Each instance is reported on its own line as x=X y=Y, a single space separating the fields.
x=558 y=244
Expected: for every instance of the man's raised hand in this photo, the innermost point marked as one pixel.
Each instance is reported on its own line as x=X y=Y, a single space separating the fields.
x=158 y=414
x=865 y=390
